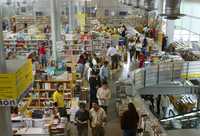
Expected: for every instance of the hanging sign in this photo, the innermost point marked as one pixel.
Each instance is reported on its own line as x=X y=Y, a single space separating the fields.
x=85 y=37
x=14 y=83
x=81 y=17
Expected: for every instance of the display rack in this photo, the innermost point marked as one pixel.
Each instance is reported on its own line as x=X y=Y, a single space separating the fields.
x=42 y=92
x=148 y=123
x=20 y=21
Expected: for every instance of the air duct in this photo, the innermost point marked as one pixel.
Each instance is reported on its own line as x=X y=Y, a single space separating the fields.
x=129 y=3
x=172 y=9
x=8 y=2
x=149 y=5
x=136 y=3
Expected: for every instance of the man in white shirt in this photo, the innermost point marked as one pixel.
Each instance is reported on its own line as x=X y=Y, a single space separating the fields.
x=104 y=72
x=104 y=95
x=97 y=120
x=165 y=102
x=112 y=52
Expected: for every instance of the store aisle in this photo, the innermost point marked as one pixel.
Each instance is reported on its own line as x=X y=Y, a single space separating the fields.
x=113 y=126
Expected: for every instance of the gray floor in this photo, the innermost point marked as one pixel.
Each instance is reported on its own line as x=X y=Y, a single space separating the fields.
x=184 y=132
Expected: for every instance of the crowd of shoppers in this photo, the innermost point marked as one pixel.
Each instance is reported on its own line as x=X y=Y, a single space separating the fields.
x=97 y=71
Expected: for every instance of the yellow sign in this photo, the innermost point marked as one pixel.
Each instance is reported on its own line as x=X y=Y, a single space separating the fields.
x=81 y=20
x=190 y=76
x=12 y=85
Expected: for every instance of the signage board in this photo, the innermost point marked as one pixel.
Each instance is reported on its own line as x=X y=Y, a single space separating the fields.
x=14 y=84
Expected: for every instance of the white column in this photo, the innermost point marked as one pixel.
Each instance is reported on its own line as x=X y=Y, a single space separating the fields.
x=58 y=20
x=5 y=117
x=71 y=22
x=159 y=5
x=78 y=4
x=2 y=53
x=170 y=27
x=54 y=30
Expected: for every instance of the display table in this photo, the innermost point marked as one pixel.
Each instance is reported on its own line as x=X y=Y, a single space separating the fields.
x=32 y=132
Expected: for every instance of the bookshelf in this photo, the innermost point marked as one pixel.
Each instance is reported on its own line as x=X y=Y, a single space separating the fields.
x=29 y=20
x=42 y=93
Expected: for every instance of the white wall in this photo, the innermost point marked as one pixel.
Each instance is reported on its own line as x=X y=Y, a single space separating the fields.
x=111 y=5
x=192 y=19
x=42 y=6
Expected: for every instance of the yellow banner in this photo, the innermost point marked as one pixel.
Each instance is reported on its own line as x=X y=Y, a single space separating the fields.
x=12 y=85
x=81 y=20
x=190 y=76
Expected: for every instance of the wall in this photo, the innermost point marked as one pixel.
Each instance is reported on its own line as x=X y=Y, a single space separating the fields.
x=192 y=19
x=187 y=27
x=110 y=5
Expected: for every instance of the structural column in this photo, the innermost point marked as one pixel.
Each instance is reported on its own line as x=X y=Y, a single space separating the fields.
x=71 y=16
x=170 y=27
x=5 y=117
x=58 y=19
x=54 y=29
x=159 y=5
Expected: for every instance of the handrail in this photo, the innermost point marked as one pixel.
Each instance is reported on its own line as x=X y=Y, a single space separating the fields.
x=181 y=116
x=164 y=73
x=160 y=74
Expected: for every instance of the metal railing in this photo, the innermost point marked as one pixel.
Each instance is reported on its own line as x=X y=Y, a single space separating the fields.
x=165 y=73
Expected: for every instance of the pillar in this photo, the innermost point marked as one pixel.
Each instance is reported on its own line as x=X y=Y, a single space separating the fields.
x=58 y=19
x=159 y=5
x=78 y=5
x=71 y=16
x=86 y=13
x=170 y=27
x=5 y=123
x=53 y=29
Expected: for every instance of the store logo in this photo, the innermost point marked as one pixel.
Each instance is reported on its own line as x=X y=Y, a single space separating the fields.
x=4 y=103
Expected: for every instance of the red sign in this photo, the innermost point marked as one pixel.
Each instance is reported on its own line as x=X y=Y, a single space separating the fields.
x=85 y=37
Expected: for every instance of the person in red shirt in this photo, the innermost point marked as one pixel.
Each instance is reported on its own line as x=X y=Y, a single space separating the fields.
x=81 y=63
x=141 y=60
x=42 y=55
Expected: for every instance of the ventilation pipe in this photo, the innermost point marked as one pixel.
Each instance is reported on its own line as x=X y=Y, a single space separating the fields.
x=129 y=3
x=172 y=9
x=149 y=5
x=8 y=2
x=136 y=3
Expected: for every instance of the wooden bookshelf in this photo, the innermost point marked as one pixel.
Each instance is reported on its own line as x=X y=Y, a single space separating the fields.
x=42 y=93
